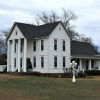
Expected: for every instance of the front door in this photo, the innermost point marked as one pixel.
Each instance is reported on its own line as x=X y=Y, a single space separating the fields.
x=29 y=64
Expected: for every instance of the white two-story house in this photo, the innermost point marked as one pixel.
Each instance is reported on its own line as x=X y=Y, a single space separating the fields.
x=47 y=49
x=44 y=48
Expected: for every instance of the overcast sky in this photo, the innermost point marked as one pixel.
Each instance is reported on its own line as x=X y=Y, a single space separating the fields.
x=88 y=12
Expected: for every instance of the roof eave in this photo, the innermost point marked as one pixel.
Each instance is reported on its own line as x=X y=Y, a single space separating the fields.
x=13 y=29
x=86 y=57
x=66 y=30
x=10 y=31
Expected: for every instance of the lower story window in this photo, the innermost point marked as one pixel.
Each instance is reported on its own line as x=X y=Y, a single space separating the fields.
x=42 y=62
x=21 y=62
x=15 y=62
x=34 y=62
x=55 y=61
x=64 y=62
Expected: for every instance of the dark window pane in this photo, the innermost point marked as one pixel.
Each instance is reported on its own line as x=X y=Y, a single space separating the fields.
x=63 y=45
x=55 y=44
x=64 y=61
x=15 y=46
x=34 y=45
x=34 y=62
x=55 y=61
x=42 y=45
x=22 y=45
x=20 y=62
x=15 y=62
x=42 y=61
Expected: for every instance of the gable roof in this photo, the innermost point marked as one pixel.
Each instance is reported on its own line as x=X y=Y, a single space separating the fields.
x=32 y=31
x=82 y=49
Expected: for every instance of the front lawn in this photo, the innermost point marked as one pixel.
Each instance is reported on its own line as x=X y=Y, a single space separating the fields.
x=42 y=88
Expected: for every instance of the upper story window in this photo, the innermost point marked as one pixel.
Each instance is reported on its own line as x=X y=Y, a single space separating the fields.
x=34 y=45
x=63 y=45
x=64 y=61
x=22 y=45
x=55 y=44
x=55 y=61
x=42 y=62
x=42 y=45
x=15 y=49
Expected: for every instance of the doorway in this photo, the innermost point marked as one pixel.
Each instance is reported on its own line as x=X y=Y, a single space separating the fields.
x=29 y=64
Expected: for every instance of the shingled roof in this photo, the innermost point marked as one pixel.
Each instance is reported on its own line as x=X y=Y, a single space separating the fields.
x=32 y=31
x=82 y=49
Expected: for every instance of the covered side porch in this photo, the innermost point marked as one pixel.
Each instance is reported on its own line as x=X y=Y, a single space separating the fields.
x=87 y=62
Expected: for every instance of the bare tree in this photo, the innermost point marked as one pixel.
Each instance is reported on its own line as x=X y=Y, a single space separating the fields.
x=3 y=38
x=53 y=17
x=65 y=18
x=97 y=48
x=3 y=46
x=37 y=21
x=44 y=18
x=74 y=35
x=5 y=33
x=83 y=38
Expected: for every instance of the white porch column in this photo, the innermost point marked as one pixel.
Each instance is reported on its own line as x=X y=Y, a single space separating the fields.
x=25 y=54
x=19 y=43
x=90 y=64
x=80 y=64
x=13 y=51
x=8 y=56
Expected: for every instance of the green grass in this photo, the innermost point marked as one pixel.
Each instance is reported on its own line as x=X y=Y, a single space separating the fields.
x=41 y=88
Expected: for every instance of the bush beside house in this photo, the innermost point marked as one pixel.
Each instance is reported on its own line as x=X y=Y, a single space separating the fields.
x=92 y=72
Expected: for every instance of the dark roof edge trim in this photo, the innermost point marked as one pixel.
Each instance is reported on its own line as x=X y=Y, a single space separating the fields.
x=66 y=30
x=12 y=30
x=90 y=57
x=15 y=23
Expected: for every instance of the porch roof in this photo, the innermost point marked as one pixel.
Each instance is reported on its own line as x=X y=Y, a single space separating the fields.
x=80 y=56
x=83 y=50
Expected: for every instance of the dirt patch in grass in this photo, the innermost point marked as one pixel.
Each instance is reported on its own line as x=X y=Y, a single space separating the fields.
x=97 y=78
x=9 y=77
x=13 y=97
x=39 y=81
x=16 y=95
x=42 y=88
